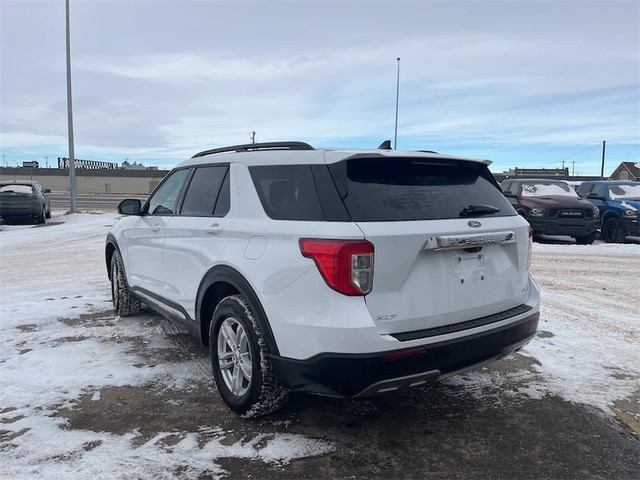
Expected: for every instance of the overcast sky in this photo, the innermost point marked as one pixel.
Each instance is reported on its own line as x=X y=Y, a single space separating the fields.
x=524 y=83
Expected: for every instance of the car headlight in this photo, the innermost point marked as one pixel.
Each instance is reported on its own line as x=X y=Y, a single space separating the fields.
x=629 y=213
x=536 y=212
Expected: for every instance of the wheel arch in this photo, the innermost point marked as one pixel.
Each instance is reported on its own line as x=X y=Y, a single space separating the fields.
x=222 y=281
x=609 y=214
x=110 y=247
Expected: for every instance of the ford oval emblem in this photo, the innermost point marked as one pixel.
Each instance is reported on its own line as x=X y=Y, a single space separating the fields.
x=474 y=224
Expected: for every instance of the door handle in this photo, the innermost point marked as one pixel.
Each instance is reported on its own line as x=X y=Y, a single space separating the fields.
x=214 y=229
x=155 y=228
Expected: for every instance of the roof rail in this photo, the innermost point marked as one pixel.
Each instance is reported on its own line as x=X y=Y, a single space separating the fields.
x=249 y=147
x=427 y=151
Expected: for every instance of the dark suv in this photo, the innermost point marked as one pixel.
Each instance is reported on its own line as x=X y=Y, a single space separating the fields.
x=552 y=207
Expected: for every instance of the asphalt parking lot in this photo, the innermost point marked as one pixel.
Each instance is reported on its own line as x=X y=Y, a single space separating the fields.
x=84 y=394
x=440 y=431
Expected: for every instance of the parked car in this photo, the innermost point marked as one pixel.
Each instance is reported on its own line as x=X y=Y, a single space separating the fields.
x=24 y=199
x=346 y=273
x=619 y=204
x=552 y=207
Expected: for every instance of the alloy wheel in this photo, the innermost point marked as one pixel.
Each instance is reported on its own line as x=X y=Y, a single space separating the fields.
x=234 y=356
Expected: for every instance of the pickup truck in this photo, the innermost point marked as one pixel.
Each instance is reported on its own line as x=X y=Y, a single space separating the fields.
x=552 y=207
x=619 y=205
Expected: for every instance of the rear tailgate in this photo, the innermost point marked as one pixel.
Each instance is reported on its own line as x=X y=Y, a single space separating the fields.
x=448 y=247
x=423 y=280
x=17 y=200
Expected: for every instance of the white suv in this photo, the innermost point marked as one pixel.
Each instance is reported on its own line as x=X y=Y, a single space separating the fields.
x=345 y=273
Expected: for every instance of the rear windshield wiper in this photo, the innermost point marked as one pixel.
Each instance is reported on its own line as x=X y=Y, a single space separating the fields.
x=477 y=210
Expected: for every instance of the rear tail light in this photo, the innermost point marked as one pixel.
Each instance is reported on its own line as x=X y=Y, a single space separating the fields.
x=530 y=248
x=346 y=265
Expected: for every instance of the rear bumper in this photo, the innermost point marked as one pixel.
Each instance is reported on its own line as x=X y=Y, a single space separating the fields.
x=570 y=227
x=24 y=210
x=355 y=375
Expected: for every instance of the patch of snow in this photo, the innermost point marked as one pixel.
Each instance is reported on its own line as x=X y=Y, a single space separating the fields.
x=58 y=272
x=590 y=353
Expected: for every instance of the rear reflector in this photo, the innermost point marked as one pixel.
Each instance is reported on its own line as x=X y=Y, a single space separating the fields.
x=405 y=354
x=345 y=265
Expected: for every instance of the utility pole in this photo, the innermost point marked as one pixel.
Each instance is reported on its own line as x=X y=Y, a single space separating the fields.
x=563 y=164
x=604 y=146
x=72 y=165
x=253 y=137
x=395 y=134
x=573 y=169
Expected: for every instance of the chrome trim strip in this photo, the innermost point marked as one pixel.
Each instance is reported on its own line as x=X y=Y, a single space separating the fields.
x=399 y=383
x=453 y=242
x=161 y=305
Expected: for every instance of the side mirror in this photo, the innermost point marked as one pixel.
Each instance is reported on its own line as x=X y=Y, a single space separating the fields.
x=47 y=190
x=130 y=206
x=594 y=196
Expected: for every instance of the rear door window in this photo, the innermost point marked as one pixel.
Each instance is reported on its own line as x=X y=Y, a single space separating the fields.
x=399 y=189
x=203 y=191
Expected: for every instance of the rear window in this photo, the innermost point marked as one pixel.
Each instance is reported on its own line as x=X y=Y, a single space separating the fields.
x=397 y=189
x=545 y=189
x=16 y=188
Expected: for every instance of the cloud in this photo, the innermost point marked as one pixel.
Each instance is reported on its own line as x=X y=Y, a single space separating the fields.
x=169 y=78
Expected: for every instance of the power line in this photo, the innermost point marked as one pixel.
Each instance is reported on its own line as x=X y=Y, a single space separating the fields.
x=589 y=153
x=581 y=151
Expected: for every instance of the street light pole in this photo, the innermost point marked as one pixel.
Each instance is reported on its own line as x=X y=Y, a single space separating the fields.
x=72 y=167
x=395 y=135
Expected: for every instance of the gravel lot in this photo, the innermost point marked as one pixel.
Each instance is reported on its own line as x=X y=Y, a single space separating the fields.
x=87 y=395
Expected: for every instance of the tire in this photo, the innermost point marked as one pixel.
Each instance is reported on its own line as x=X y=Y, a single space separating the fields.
x=586 y=239
x=124 y=304
x=40 y=219
x=240 y=360
x=611 y=231
x=48 y=213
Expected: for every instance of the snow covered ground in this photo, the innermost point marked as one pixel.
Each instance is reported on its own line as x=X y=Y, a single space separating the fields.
x=57 y=272
x=59 y=344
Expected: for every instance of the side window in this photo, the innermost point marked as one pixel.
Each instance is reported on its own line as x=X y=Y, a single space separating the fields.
x=584 y=189
x=599 y=189
x=287 y=192
x=203 y=191
x=514 y=187
x=505 y=186
x=163 y=201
